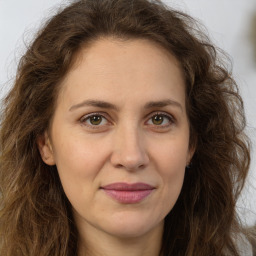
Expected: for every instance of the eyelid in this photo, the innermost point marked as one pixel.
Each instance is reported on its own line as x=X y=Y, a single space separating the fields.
x=104 y=115
x=87 y=116
x=165 y=114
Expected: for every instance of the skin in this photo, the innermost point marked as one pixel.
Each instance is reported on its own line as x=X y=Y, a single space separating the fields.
x=126 y=145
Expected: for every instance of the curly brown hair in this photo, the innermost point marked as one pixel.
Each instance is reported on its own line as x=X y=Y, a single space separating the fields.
x=35 y=215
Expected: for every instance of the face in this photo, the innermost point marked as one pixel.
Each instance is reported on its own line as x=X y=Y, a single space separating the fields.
x=120 y=137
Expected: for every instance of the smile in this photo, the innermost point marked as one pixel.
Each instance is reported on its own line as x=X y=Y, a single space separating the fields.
x=128 y=193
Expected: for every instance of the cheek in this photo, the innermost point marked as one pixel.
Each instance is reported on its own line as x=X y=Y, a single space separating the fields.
x=171 y=156
x=172 y=173
x=78 y=164
x=77 y=156
x=171 y=164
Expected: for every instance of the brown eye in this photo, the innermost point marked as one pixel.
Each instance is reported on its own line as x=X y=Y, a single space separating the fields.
x=95 y=120
x=158 y=119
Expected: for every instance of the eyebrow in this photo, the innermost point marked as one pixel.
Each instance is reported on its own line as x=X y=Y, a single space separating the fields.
x=94 y=103
x=163 y=103
x=107 y=105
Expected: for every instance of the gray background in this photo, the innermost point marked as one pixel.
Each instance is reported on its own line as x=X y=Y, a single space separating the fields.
x=229 y=23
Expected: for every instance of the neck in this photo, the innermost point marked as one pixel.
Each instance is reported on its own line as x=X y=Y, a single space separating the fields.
x=102 y=244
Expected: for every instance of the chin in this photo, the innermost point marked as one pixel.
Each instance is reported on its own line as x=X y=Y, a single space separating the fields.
x=132 y=226
x=128 y=232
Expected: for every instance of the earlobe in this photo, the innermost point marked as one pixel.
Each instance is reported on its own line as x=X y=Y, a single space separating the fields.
x=45 y=149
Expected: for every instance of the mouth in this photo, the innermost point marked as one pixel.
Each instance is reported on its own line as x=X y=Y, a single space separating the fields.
x=128 y=193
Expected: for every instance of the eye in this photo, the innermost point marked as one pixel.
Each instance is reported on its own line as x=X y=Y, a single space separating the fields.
x=94 y=120
x=160 y=119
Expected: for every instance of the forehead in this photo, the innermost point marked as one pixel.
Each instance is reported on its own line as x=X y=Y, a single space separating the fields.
x=114 y=67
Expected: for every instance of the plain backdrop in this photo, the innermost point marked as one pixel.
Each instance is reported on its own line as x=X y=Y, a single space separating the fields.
x=229 y=23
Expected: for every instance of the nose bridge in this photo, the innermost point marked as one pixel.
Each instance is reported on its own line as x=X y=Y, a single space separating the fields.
x=129 y=147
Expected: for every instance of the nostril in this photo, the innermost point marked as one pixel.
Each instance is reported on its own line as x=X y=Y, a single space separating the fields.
x=119 y=166
x=130 y=166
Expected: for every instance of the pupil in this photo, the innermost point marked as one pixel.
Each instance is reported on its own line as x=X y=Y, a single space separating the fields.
x=157 y=120
x=95 y=120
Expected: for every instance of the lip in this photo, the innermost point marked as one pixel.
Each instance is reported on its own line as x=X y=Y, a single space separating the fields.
x=128 y=193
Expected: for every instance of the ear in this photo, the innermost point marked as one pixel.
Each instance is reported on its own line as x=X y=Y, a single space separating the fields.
x=190 y=154
x=45 y=149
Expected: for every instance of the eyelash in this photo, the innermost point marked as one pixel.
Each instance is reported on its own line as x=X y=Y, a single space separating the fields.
x=86 y=118
x=170 y=119
x=164 y=115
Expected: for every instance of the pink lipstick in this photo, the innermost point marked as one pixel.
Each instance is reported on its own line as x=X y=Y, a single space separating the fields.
x=128 y=193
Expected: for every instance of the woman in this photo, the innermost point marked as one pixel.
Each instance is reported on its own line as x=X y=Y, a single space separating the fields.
x=122 y=135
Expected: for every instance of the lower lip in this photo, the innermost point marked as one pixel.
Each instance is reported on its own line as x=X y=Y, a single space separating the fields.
x=128 y=197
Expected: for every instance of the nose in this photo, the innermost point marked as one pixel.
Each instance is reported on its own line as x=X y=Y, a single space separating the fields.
x=129 y=150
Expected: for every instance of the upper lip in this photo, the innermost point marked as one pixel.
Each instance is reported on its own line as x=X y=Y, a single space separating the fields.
x=122 y=186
